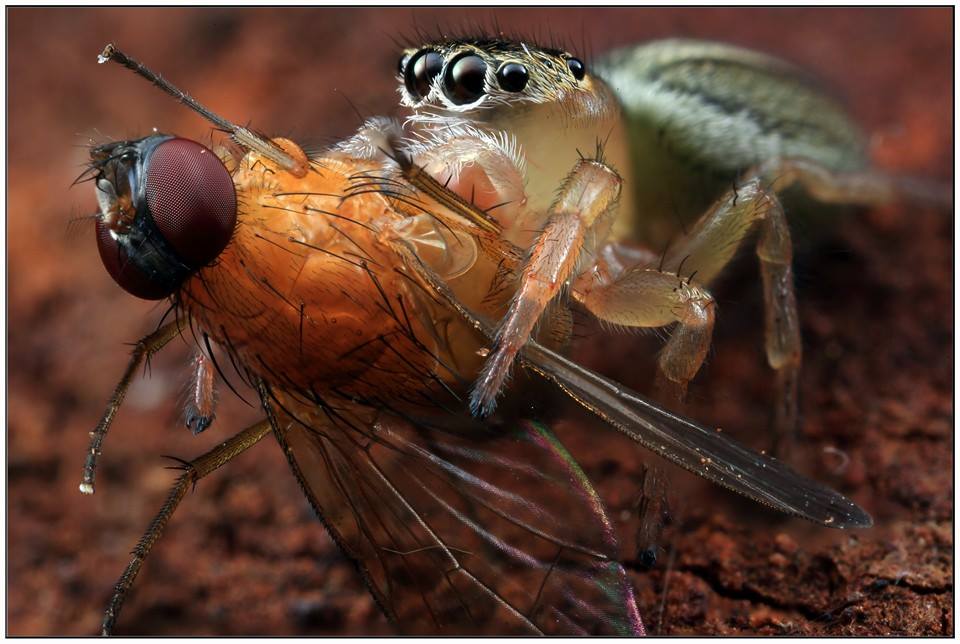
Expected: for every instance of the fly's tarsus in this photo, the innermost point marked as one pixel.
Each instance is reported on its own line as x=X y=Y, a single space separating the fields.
x=145 y=348
x=193 y=471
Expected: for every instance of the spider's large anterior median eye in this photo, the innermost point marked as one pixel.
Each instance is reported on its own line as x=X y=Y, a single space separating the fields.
x=512 y=77
x=420 y=71
x=576 y=67
x=465 y=78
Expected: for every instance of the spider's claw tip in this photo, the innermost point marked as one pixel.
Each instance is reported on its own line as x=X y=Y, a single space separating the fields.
x=493 y=377
x=482 y=402
x=197 y=422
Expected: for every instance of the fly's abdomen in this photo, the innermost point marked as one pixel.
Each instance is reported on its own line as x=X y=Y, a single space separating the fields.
x=307 y=297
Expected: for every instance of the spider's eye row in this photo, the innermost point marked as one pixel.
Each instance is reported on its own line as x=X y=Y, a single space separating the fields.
x=512 y=77
x=464 y=81
x=419 y=72
x=576 y=67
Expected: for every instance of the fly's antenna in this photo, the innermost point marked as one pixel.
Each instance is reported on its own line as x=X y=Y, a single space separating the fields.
x=246 y=138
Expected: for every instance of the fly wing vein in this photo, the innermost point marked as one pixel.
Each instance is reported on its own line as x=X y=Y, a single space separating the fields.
x=461 y=545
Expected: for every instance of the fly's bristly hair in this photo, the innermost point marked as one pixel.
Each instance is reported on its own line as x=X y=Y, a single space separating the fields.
x=217 y=298
x=78 y=225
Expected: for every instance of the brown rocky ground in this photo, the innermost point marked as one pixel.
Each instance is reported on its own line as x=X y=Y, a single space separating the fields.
x=245 y=556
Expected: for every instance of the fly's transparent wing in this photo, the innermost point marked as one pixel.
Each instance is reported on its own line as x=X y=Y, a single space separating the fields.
x=706 y=452
x=471 y=529
x=700 y=450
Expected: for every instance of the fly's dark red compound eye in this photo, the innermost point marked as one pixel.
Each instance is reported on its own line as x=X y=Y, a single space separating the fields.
x=192 y=200
x=125 y=272
x=168 y=208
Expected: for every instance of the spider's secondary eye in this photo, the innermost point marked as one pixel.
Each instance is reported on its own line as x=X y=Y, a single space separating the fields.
x=420 y=72
x=465 y=79
x=402 y=64
x=512 y=77
x=576 y=68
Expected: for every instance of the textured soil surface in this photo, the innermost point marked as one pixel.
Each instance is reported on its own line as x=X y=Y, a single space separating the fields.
x=244 y=554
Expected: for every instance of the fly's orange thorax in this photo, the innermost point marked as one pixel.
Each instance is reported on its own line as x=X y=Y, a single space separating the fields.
x=308 y=296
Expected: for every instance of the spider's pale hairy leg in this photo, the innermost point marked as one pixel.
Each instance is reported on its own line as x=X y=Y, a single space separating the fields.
x=861 y=188
x=718 y=234
x=706 y=251
x=588 y=196
x=192 y=472
x=651 y=298
x=774 y=248
x=143 y=349
x=781 y=320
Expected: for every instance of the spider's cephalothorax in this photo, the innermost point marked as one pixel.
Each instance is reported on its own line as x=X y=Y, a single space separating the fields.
x=651 y=135
x=543 y=103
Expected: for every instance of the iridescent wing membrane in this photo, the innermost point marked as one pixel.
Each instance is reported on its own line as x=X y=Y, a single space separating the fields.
x=464 y=527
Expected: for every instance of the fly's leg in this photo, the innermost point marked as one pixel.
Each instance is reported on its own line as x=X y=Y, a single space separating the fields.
x=192 y=472
x=143 y=349
x=862 y=188
x=588 y=195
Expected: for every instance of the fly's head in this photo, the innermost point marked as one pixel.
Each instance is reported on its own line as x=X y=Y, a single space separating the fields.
x=488 y=79
x=168 y=207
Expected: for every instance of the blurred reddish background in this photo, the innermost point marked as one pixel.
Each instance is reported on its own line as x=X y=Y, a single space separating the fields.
x=244 y=555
